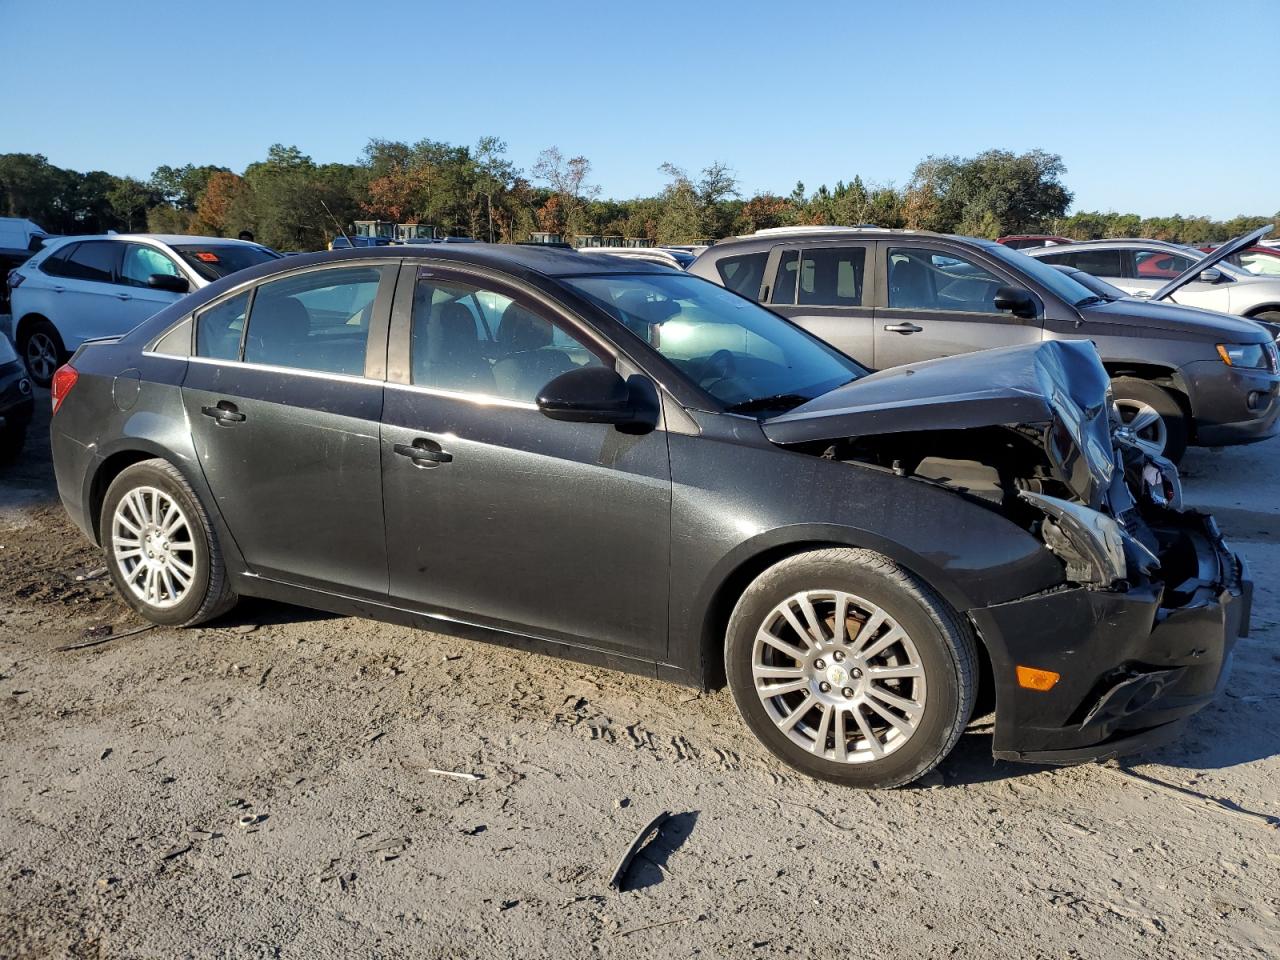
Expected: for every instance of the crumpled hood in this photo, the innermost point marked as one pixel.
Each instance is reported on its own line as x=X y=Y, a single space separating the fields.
x=1060 y=386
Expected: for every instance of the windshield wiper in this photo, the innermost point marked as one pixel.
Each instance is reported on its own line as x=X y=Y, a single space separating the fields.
x=779 y=401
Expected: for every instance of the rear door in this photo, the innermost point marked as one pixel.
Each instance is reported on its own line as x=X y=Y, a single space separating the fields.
x=829 y=289
x=90 y=303
x=284 y=400
x=939 y=301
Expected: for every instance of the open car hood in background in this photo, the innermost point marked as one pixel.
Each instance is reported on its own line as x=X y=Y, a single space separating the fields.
x=1209 y=259
x=1058 y=386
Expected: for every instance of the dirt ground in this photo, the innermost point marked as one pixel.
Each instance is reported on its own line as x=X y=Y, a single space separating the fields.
x=265 y=788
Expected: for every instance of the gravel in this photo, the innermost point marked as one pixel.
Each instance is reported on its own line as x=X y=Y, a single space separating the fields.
x=288 y=783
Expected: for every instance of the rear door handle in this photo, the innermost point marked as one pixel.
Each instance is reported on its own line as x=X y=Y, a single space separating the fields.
x=224 y=412
x=902 y=328
x=58 y=289
x=124 y=296
x=423 y=452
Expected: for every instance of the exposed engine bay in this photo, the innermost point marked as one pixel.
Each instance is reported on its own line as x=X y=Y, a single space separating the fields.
x=1138 y=531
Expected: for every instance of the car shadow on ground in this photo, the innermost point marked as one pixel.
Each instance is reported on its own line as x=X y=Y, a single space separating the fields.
x=256 y=612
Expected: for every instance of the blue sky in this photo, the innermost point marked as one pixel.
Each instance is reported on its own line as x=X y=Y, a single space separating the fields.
x=1140 y=99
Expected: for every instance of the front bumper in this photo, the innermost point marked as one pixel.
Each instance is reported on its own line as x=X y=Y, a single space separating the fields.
x=1133 y=666
x=1232 y=405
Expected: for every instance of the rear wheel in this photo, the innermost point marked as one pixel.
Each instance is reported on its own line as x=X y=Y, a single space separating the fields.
x=1156 y=420
x=1270 y=316
x=850 y=669
x=161 y=549
x=42 y=349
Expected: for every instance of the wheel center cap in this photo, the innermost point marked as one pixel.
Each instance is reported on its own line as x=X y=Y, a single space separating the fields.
x=837 y=675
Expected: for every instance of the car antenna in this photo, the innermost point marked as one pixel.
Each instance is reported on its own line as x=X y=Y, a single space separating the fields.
x=338 y=225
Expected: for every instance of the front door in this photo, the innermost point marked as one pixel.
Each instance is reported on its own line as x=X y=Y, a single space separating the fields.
x=940 y=302
x=828 y=289
x=284 y=399
x=497 y=515
x=1149 y=270
x=141 y=300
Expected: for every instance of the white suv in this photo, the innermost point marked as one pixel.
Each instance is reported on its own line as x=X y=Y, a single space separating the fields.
x=78 y=288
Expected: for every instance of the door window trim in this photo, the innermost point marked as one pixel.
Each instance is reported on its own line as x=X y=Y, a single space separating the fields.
x=870 y=273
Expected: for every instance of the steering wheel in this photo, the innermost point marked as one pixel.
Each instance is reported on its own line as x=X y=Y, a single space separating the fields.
x=719 y=366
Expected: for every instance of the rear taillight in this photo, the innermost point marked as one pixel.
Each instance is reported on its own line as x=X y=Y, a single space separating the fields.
x=15 y=279
x=64 y=378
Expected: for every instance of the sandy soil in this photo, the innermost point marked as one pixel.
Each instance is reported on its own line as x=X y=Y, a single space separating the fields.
x=264 y=788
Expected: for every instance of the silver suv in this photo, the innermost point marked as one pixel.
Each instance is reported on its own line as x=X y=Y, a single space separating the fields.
x=1142 y=268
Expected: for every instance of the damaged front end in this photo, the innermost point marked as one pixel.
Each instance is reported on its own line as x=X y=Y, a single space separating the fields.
x=1139 y=633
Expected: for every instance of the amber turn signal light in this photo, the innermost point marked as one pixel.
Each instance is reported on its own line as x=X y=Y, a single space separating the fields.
x=1034 y=679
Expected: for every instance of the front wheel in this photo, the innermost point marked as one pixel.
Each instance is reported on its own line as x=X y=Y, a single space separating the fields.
x=161 y=549
x=1155 y=419
x=850 y=669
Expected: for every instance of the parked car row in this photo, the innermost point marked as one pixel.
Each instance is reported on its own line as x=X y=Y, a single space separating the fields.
x=77 y=288
x=889 y=298
x=617 y=461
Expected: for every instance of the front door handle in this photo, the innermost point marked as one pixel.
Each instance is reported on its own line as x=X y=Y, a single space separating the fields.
x=902 y=328
x=224 y=412
x=423 y=452
x=124 y=296
x=58 y=289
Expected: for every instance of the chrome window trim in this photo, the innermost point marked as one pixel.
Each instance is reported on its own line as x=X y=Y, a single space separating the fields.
x=274 y=368
x=481 y=399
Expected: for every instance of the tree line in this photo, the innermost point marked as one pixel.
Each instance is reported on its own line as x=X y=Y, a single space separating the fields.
x=290 y=202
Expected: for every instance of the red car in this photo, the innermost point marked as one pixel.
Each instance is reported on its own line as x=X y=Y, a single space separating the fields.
x=1020 y=241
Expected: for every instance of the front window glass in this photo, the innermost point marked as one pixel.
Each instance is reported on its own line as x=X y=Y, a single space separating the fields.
x=213 y=261
x=923 y=279
x=1055 y=281
x=832 y=276
x=141 y=261
x=468 y=339
x=219 y=328
x=314 y=321
x=749 y=359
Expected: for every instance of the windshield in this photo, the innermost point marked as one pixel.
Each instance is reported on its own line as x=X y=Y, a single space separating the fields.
x=214 y=261
x=1096 y=284
x=749 y=359
x=1068 y=288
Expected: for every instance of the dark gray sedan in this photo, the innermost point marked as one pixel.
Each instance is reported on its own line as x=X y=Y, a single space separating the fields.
x=627 y=465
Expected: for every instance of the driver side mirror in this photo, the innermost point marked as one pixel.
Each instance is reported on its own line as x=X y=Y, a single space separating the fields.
x=1211 y=275
x=168 y=282
x=595 y=395
x=1017 y=301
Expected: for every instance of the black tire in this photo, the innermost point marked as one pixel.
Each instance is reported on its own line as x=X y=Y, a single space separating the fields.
x=31 y=334
x=1267 y=316
x=942 y=639
x=1177 y=429
x=210 y=593
x=12 y=440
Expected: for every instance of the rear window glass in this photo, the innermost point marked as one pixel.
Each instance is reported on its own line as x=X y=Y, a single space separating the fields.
x=743 y=274
x=94 y=260
x=215 y=261
x=1100 y=263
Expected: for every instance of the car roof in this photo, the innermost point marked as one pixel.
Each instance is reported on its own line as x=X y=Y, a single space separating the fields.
x=514 y=258
x=775 y=236
x=168 y=238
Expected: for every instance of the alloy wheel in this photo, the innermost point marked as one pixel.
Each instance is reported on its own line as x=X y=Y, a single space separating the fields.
x=1145 y=425
x=152 y=544
x=42 y=356
x=838 y=676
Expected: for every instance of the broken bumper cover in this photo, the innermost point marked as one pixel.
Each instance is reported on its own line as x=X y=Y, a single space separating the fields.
x=1133 y=666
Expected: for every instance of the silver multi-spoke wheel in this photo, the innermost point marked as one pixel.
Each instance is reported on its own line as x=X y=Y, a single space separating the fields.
x=152 y=542
x=838 y=676
x=42 y=356
x=1144 y=424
